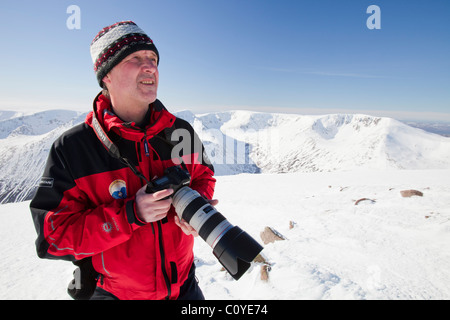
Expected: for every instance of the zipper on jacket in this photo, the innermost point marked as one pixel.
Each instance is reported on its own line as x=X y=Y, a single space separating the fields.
x=146 y=149
x=147 y=152
x=138 y=148
x=163 y=260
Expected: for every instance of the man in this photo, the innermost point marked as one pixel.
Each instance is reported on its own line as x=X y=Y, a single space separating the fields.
x=92 y=208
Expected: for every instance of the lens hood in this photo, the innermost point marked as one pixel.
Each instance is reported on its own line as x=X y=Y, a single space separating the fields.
x=236 y=250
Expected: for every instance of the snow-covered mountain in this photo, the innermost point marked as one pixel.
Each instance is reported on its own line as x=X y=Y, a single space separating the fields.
x=278 y=143
x=441 y=128
x=241 y=141
x=24 y=144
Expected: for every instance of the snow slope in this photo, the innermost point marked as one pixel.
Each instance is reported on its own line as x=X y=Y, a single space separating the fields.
x=393 y=248
x=24 y=144
x=241 y=142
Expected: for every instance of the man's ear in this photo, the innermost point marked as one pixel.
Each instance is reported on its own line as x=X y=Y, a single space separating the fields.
x=106 y=79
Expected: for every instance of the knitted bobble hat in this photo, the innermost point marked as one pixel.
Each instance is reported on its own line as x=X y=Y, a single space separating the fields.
x=112 y=44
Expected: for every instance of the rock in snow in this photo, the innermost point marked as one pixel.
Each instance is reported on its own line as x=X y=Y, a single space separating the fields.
x=410 y=193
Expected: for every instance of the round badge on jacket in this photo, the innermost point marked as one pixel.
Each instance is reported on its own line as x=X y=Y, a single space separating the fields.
x=118 y=189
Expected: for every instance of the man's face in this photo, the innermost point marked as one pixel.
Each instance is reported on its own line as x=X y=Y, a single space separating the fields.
x=135 y=79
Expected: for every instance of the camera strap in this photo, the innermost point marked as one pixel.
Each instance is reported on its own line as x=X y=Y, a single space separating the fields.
x=112 y=148
x=115 y=152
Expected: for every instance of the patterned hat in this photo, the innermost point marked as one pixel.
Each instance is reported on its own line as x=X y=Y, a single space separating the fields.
x=112 y=44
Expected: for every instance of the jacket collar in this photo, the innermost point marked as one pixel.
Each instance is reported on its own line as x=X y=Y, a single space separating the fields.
x=159 y=120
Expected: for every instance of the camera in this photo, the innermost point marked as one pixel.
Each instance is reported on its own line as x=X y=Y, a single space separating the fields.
x=174 y=178
x=233 y=247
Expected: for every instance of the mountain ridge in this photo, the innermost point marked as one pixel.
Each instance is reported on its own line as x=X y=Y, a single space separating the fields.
x=241 y=142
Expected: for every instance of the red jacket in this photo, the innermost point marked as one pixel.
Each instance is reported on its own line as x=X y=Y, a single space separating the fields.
x=84 y=206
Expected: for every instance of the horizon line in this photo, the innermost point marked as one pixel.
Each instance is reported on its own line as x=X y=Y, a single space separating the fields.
x=421 y=116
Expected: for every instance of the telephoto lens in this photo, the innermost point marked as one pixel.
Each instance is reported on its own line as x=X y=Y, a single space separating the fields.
x=232 y=246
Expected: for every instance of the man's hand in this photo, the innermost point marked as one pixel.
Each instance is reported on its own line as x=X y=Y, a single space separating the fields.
x=187 y=229
x=150 y=207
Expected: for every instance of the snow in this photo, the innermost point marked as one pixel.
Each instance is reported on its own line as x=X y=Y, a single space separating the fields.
x=311 y=171
x=389 y=248
x=278 y=143
x=25 y=140
x=241 y=142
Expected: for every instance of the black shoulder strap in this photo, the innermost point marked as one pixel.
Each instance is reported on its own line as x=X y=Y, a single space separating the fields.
x=112 y=148
x=115 y=152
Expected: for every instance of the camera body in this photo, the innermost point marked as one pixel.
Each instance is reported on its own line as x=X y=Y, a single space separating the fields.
x=174 y=178
x=232 y=246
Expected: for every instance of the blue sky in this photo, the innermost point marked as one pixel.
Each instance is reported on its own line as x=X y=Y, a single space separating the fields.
x=309 y=57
